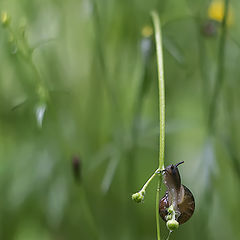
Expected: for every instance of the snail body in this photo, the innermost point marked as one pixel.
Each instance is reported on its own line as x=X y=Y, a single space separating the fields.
x=177 y=195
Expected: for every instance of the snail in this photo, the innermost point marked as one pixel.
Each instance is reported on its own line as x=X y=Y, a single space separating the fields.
x=177 y=195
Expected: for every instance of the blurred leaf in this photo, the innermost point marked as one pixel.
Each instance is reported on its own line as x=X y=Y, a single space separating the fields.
x=108 y=177
x=101 y=156
x=174 y=50
x=40 y=111
x=56 y=201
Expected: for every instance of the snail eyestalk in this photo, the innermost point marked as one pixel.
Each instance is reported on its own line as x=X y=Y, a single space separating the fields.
x=179 y=163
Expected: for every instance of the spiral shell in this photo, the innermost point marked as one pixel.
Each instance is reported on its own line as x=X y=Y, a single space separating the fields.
x=186 y=207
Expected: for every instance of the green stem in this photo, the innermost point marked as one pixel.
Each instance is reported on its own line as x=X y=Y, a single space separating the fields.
x=158 y=38
x=149 y=180
x=169 y=235
x=157 y=207
x=220 y=70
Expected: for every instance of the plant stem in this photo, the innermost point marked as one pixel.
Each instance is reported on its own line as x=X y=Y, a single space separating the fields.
x=157 y=207
x=220 y=70
x=158 y=38
x=169 y=235
x=150 y=179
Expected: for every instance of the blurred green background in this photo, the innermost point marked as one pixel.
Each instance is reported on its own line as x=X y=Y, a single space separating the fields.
x=79 y=91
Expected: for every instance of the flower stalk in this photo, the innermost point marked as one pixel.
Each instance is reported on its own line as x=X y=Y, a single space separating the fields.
x=158 y=39
x=139 y=196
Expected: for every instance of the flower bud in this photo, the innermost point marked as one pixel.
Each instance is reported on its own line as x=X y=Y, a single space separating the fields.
x=170 y=209
x=172 y=224
x=216 y=11
x=139 y=196
x=168 y=217
x=5 y=19
x=147 y=31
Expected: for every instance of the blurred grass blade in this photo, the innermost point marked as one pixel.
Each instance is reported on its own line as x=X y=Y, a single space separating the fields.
x=100 y=157
x=174 y=50
x=108 y=178
x=18 y=105
x=40 y=112
x=42 y=43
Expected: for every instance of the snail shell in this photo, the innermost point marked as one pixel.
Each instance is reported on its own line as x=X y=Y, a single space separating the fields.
x=177 y=195
x=185 y=208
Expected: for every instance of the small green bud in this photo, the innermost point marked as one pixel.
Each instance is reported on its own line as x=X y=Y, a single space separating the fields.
x=172 y=224
x=138 y=197
x=5 y=19
x=170 y=209
x=168 y=217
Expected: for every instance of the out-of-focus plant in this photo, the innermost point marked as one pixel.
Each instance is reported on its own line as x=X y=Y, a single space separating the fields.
x=20 y=47
x=216 y=14
x=217 y=9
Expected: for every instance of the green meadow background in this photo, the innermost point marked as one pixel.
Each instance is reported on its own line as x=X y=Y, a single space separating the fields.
x=79 y=118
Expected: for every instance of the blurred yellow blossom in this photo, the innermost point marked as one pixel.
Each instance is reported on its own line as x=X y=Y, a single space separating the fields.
x=147 y=31
x=5 y=19
x=216 y=12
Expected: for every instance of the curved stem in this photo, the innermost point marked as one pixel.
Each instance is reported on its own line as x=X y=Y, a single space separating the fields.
x=158 y=38
x=169 y=235
x=150 y=179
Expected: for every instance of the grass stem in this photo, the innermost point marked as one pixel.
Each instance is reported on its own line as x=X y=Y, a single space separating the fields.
x=158 y=38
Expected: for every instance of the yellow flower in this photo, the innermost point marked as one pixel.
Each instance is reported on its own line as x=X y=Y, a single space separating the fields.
x=216 y=12
x=5 y=19
x=147 y=31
